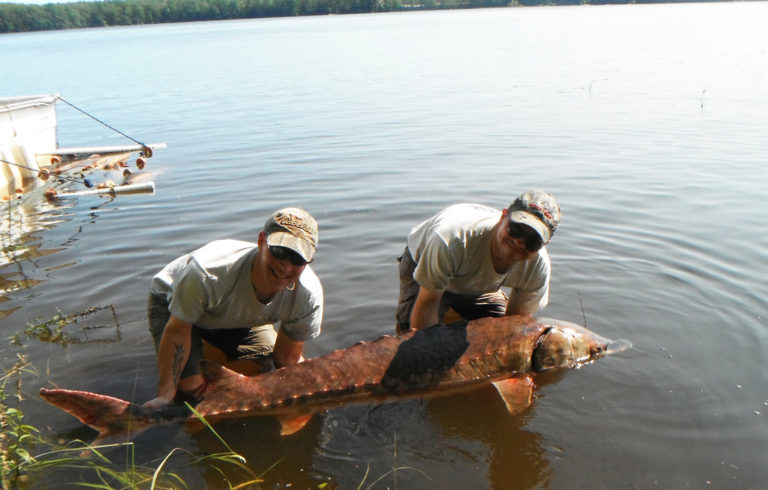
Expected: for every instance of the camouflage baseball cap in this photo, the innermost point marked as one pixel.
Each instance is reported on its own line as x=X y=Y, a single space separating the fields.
x=539 y=210
x=293 y=228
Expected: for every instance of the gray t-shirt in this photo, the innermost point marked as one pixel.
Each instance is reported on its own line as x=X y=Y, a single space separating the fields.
x=211 y=288
x=452 y=251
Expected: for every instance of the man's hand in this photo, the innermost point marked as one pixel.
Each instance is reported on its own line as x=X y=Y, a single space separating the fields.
x=156 y=403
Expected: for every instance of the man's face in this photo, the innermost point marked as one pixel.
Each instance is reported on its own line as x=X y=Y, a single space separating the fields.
x=513 y=242
x=277 y=268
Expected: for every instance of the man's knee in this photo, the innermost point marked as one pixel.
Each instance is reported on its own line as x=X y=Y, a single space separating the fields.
x=260 y=341
x=491 y=304
x=157 y=315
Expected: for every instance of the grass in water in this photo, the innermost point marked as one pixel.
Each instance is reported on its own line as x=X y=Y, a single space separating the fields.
x=394 y=471
x=74 y=328
x=26 y=458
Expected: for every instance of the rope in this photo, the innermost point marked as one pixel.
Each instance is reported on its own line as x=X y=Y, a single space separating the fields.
x=145 y=149
x=102 y=122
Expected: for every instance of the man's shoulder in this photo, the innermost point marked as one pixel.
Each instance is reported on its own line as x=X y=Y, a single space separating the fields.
x=456 y=227
x=463 y=221
x=538 y=265
x=305 y=296
x=469 y=211
x=309 y=281
x=225 y=245
x=222 y=249
x=220 y=255
x=473 y=207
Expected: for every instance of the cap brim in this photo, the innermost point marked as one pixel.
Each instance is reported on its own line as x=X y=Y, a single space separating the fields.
x=298 y=245
x=530 y=220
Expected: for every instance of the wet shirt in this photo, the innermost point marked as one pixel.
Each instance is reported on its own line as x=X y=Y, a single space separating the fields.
x=452 y=251
x=211 y=288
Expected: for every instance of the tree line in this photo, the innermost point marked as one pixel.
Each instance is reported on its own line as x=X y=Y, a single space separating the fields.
x=22 y=18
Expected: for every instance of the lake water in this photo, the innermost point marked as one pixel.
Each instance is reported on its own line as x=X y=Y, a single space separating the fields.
x=649 y=123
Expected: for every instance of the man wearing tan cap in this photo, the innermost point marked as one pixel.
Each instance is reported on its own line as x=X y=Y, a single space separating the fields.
x=233 y=294
x=462 y=257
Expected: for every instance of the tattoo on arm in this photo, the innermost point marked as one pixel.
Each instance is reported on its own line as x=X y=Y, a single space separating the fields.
x=178 y=359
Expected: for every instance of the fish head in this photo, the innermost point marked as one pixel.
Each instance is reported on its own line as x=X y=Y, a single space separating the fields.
x=568 y=345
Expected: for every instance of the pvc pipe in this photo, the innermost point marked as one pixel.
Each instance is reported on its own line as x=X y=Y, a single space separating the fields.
x=143 y=188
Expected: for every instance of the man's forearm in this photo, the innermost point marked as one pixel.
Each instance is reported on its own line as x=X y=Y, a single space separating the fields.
x=514 y=308
x=172 y=357
x=287 y=351
x=426 y=308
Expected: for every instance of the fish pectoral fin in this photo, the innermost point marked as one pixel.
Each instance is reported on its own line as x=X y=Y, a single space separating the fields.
x=516 y=392
x=291 y=424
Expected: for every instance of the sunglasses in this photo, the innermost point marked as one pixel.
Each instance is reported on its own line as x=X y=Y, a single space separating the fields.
x=529 y=236
x=285 y=253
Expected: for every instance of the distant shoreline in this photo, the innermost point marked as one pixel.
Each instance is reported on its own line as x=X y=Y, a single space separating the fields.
x=78 y=15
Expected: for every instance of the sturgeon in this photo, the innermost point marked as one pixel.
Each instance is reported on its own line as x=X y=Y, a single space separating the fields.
x=436 y=361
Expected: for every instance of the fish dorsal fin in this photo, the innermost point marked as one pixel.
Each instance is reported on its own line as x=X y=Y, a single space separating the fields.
x=215 y=372
x=516 y=393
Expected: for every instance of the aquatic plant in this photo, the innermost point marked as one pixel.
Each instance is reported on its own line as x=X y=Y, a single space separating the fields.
x=15 y=436
x=54 y=330
x=27 y=458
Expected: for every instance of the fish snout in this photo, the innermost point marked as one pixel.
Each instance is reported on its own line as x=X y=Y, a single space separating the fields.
x=560 y=347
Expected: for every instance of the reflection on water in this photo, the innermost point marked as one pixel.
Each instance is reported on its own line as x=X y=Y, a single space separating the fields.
x=20 y=236
x=476 y=433
x=23 y=224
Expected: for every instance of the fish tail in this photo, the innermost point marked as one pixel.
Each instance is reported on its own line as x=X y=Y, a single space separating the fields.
x=105 y=414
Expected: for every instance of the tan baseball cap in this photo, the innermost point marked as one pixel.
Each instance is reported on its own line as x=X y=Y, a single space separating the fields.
x=293 y=228
x=539 y=210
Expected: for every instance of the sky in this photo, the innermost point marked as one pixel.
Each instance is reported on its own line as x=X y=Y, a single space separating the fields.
x=42 y=2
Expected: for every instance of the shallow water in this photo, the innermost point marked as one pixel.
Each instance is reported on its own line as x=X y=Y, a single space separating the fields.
x=647 y=123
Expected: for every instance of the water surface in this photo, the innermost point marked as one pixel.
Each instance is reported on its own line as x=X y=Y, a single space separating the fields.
x=647 y=123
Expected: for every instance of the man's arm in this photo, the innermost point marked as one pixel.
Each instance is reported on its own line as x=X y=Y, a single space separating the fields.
x=287 y=351
x=426 y=308
x=514 y=308
x=172 y=356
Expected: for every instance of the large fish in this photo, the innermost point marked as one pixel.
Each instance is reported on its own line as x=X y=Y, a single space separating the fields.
x=435 y=361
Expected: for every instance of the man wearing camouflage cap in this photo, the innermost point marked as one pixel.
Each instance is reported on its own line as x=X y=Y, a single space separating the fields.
x=462 y=257
x=233 y=294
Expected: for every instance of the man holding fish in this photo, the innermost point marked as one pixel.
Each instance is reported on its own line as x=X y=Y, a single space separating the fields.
x=461 y=257
x=230 y=293
x=194 y=292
